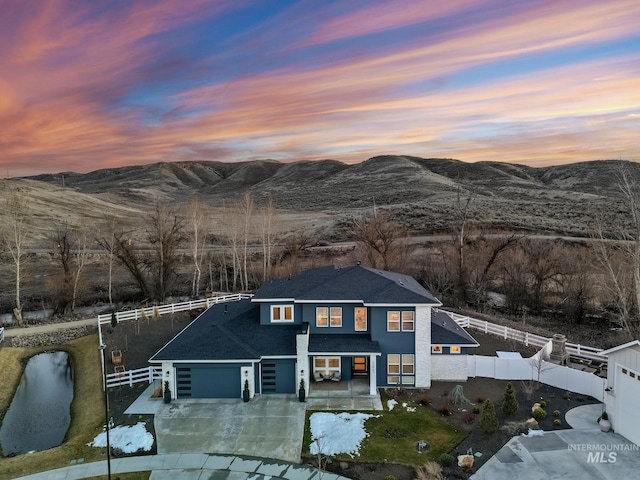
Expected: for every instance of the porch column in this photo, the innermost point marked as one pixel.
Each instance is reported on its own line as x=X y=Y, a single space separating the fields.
x=422 y=358
x=373 y=376
x=302 y=358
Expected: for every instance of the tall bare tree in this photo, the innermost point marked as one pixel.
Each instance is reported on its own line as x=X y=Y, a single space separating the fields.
x=267 y=213
x=109 y=243
x=197 y=226
x=13 y=238
x=80 y=254
x=165 y=234
x=246 y=208
x=383 y=239
x=64 y=243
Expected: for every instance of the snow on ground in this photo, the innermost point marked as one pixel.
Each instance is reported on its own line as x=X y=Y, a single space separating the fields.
x=533 y=433
x=337 y=433
x=391 y=403
x=128 y=439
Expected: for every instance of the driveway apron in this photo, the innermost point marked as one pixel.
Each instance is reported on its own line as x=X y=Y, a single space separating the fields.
x=269 y=426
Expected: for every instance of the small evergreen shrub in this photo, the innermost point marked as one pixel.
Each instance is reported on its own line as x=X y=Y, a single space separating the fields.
x=457 y=396
x=567 y=395
x=488 y=419
x=510 y=404
x=556 y=413
x=476 y=409
x=543 y=404
x=557 y=422
x=446 y=460
x=539 y=414
x=580 y=398
x=390 y=477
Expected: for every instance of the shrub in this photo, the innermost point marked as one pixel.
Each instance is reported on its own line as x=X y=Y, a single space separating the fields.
x=488 y=419
x=556 y=413
x=515 y=427
x=543 y=404
x=580 y=398
x=457 y=396
x=476 y=409
x=391 y=392
x=430 y=471
x=557 y=422
x=566 y=395
x=469 y=418
x=539 y=414
x=480 y=399
x=425 y=400
x=509 y=404
x=390 y=477
x=445 y=410
x=446 y=460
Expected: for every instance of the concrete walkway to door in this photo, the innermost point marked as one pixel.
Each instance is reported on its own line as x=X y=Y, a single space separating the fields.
x=269 y=426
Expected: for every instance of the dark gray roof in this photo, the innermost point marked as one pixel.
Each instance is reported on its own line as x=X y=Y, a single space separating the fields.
x=355 y=283
x=230 y=331
x=342 y=343
x=445 y=331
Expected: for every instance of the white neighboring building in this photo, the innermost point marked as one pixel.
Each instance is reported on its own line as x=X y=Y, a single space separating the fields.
x=622 y=392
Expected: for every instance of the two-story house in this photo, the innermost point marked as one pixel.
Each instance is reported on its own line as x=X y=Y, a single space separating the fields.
x=325 y=324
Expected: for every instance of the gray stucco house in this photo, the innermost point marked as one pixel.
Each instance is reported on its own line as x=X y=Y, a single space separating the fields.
x=325 y=324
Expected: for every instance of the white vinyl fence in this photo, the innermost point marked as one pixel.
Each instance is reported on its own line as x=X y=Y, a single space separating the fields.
x=151 y=373
x=1 y=335
x=538 y=369
x=526 y=338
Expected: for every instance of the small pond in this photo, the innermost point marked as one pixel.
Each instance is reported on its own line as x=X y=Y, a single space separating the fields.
x=39 y=414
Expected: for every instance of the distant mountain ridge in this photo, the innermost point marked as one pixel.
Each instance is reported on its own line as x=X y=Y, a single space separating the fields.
x=422 y=191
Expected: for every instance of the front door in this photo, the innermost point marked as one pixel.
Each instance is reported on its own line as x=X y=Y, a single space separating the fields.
x=360 y=367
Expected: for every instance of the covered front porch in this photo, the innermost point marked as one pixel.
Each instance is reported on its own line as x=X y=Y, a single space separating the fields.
x=351 y=394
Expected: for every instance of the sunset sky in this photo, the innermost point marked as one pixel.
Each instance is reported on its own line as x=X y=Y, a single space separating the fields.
x=86 y=85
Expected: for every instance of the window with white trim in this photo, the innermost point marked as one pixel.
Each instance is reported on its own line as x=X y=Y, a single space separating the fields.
x=400 y=369
x=326 y=366
x=281 y=313
x=393 y=368
x=322 y=316
x=393 y=321
x=335 y=319
x=360 y=319
x=408 y=321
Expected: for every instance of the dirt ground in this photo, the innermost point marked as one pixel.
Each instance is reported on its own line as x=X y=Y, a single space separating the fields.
x=139 y=345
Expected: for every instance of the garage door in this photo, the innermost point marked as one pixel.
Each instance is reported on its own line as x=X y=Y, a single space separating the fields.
x=279 y=376
x=627 y=420
x=209 y=381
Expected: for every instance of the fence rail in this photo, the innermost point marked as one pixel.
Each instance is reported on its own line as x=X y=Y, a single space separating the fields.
x=526 y=338
x=129 y=377
x=1 y=335
x=159 y=310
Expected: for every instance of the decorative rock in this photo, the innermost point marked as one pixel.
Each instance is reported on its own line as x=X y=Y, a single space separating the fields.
x=465 y=461
x=532 y=422
x=535 y=405
x=344 y=465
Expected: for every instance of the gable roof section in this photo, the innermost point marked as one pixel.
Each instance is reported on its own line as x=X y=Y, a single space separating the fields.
x=229 y=331
x=445 y=331
x=632 y=343
x=345 y=284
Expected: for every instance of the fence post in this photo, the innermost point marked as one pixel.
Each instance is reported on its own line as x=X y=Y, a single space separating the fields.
x=578 y=349
x=526 y=338
x=506 y=334
x=486 y=326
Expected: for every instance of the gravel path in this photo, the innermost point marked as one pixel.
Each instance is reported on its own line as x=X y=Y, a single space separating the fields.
x=49 y=327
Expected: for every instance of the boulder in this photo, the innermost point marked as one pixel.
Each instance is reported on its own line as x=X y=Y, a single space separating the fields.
x=465 y=461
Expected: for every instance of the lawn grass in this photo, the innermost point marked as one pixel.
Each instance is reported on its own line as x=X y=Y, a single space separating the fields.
x=87 y=408
x=394 y=435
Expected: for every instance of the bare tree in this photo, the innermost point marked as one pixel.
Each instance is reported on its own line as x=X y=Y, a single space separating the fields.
x=63 y=242
x=80 y=255
x=108 y=242
x=196 y=234
x=121 y=243
x=460 y=236
x=13 y=239
x=165 y=235
x=384 y=240
x=246 y=209
x=267 y=213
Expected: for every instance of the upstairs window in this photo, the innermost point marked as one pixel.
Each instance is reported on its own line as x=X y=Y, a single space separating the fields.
x=360 y=315
x=393 y=321
x=281 y=313
x=322 y=317
x=336 y=317
x=408 y=321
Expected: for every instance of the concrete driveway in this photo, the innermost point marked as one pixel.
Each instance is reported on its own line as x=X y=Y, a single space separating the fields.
x=582 y=453
x=269 y=426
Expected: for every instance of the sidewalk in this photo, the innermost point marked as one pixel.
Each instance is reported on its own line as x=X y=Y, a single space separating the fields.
x=192 y=466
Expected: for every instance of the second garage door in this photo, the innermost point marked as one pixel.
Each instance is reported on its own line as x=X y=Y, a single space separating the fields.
x=209 y=381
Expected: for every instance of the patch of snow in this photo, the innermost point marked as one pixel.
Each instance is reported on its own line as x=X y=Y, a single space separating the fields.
x=391 y=403
x=128 y=439
x=411 y=409
x=404 y=404
x=337 y=433
x=533 y=433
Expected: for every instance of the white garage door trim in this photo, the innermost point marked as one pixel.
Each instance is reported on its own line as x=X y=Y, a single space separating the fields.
x=627 y=414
